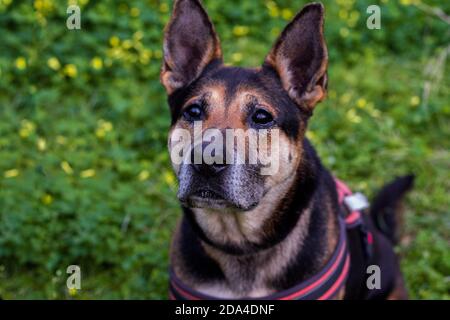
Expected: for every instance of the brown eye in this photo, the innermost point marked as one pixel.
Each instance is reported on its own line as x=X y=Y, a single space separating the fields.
x=193 y=113
x=262 y=117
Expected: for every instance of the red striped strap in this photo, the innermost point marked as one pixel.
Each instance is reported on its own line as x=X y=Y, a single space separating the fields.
x=323 y=285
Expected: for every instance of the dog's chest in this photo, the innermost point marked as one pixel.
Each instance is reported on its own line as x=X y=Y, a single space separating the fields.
x=245 y=277
x=253 y=275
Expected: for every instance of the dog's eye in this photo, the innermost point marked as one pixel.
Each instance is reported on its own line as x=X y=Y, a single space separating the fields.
x=193 y=113
x=262 y=117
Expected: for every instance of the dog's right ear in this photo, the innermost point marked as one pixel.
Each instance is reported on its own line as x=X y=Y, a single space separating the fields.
x=190 y=44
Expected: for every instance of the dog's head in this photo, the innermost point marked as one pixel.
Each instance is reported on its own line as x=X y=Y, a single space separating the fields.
x=213 y=105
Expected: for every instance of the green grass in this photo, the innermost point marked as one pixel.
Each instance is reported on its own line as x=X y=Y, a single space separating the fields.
x=84 y=171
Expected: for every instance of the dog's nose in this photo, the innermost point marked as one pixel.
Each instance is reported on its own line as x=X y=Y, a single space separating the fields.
x=205 y=168
x=210 y=169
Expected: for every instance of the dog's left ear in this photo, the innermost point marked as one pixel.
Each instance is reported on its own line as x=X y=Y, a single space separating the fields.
x=300 y=57
x=190 y=44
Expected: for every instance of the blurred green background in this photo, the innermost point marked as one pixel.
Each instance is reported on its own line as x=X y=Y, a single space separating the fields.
x=84 y=171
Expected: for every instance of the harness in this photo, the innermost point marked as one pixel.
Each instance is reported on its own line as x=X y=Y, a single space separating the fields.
x=325 y=284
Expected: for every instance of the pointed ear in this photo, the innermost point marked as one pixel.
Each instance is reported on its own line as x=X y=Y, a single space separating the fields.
x=190 y=44
x=300 y=57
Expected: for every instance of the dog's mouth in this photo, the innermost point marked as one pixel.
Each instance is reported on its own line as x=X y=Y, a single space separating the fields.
x=207 y=194
x=209 y=199
x=205 y=198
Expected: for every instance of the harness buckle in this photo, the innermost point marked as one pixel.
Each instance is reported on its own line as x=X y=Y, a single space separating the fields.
x=356 y=202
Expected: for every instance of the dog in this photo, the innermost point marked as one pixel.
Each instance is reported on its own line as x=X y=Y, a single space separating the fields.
x=288 y=235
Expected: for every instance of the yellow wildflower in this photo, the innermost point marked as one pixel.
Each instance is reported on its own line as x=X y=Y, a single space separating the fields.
x=47 y=199
x=236 y=57
x=107 y=126
x=114 y=41
x=361 y=103
x=127 y=44
x=100 y=133
x=344 y=32
x=27 y=128
x=169 y=178
x=287 y=14
x=415 y=101
x=23 y=133
x=61 y=140
x=70 y=70
x=73 y=292
x=275 y=31
x=143 y=175
x=343 y=14
x=138 y=35
x=158 y=54
x=240 y=31
x=352 y=116
x=273 y=9
x=145 y=56
x=53 y=63
x=134 y=12
x=66 y=167
x=103 y=127
x=41 y=144
x=11 y=173
x=164 y=7
x=354 y=15
x=311 y=136
x=43 y=5
x=89 y=173
x=97 y=63
x=21 y=63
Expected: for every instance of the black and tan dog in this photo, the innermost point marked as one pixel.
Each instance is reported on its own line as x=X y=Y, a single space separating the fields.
x=247 y=235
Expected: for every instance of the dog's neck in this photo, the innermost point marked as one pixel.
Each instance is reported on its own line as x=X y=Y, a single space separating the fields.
x=238 y=244
x=237 y=232
x=239 y=270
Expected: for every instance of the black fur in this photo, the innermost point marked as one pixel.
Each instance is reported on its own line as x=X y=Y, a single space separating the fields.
x=293 y=96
